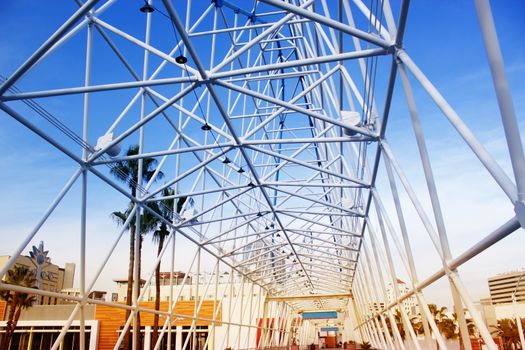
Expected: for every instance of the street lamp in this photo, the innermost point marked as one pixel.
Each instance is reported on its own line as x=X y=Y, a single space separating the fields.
x=518 y=319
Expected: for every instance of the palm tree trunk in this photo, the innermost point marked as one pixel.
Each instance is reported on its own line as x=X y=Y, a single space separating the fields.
x=15 y=322
x=9 y=325
x=157 y=295
x=129 y=292
x=136 y=332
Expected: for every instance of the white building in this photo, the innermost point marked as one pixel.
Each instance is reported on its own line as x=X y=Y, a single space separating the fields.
x=409 y=304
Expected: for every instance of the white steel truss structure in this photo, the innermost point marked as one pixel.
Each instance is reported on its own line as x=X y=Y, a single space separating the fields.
x=270 y=119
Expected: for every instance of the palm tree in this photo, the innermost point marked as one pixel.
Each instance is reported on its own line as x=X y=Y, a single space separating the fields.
x=448 y=328
x=16 y=301
x=439 y=315
x=128 y=172
x=399 y=324
x=417 y=324
x=159 y=236
x=508 y=331
x=148 y=223
x=366 y=345
x=444 y=324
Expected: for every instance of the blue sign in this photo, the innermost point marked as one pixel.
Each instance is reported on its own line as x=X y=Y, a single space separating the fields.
x=329 y=329
x=319 y=315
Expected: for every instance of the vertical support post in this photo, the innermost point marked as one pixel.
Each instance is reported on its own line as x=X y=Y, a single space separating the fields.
x=250 y=316
x=358 y=316
x=230 y=294
x=258 y=313
x=241 y=320
x=83 y=258
x=264 y=330
x=197 y=300
x=516 y=315
x=138 y=234
x=83 y=213
x=215 y=299
x=170 y=298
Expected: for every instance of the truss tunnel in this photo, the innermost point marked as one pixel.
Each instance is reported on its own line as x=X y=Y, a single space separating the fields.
x=287 y=149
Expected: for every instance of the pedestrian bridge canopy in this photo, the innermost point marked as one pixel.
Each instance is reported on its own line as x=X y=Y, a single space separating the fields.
x=281 y=152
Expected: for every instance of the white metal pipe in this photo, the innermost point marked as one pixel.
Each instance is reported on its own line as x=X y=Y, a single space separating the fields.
x=29 y=63
x=18 y=251
x=255 y=40
x=492 y=167
x=302 y=11
x=97 y=88
x=434 y=199
x=501 y=84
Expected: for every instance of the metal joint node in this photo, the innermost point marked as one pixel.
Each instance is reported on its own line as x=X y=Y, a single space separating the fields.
x=393 y=49
x=218 y=3
x=519 y=209
x=398 y=51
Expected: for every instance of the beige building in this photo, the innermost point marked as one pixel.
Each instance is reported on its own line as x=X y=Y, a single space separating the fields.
x=500 y=304
x=504 y=285
x=50 y=277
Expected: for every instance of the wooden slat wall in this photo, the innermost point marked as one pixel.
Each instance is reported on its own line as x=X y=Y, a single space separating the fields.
x=111 y=318
x=2 y=309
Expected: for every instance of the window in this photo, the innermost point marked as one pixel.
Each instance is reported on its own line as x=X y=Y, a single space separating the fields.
x=43 y=338
x=201 y=336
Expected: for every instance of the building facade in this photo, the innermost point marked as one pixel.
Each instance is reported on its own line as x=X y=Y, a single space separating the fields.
x=503 y=286
x=409 y=304
x=49 y=277
x=219 y=306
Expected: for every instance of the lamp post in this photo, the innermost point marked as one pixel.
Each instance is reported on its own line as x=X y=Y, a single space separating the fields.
x=518 y=319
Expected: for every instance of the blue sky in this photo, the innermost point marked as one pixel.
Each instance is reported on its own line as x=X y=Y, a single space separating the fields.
x=442 y=37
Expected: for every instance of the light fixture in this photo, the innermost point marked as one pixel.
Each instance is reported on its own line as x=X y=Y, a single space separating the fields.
x=226 y=160
x=181 y=59
x=147 y=8
x=241 y=170
x=351 y=119
x=251 y=184
x=206 y=127
x=103 y=141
